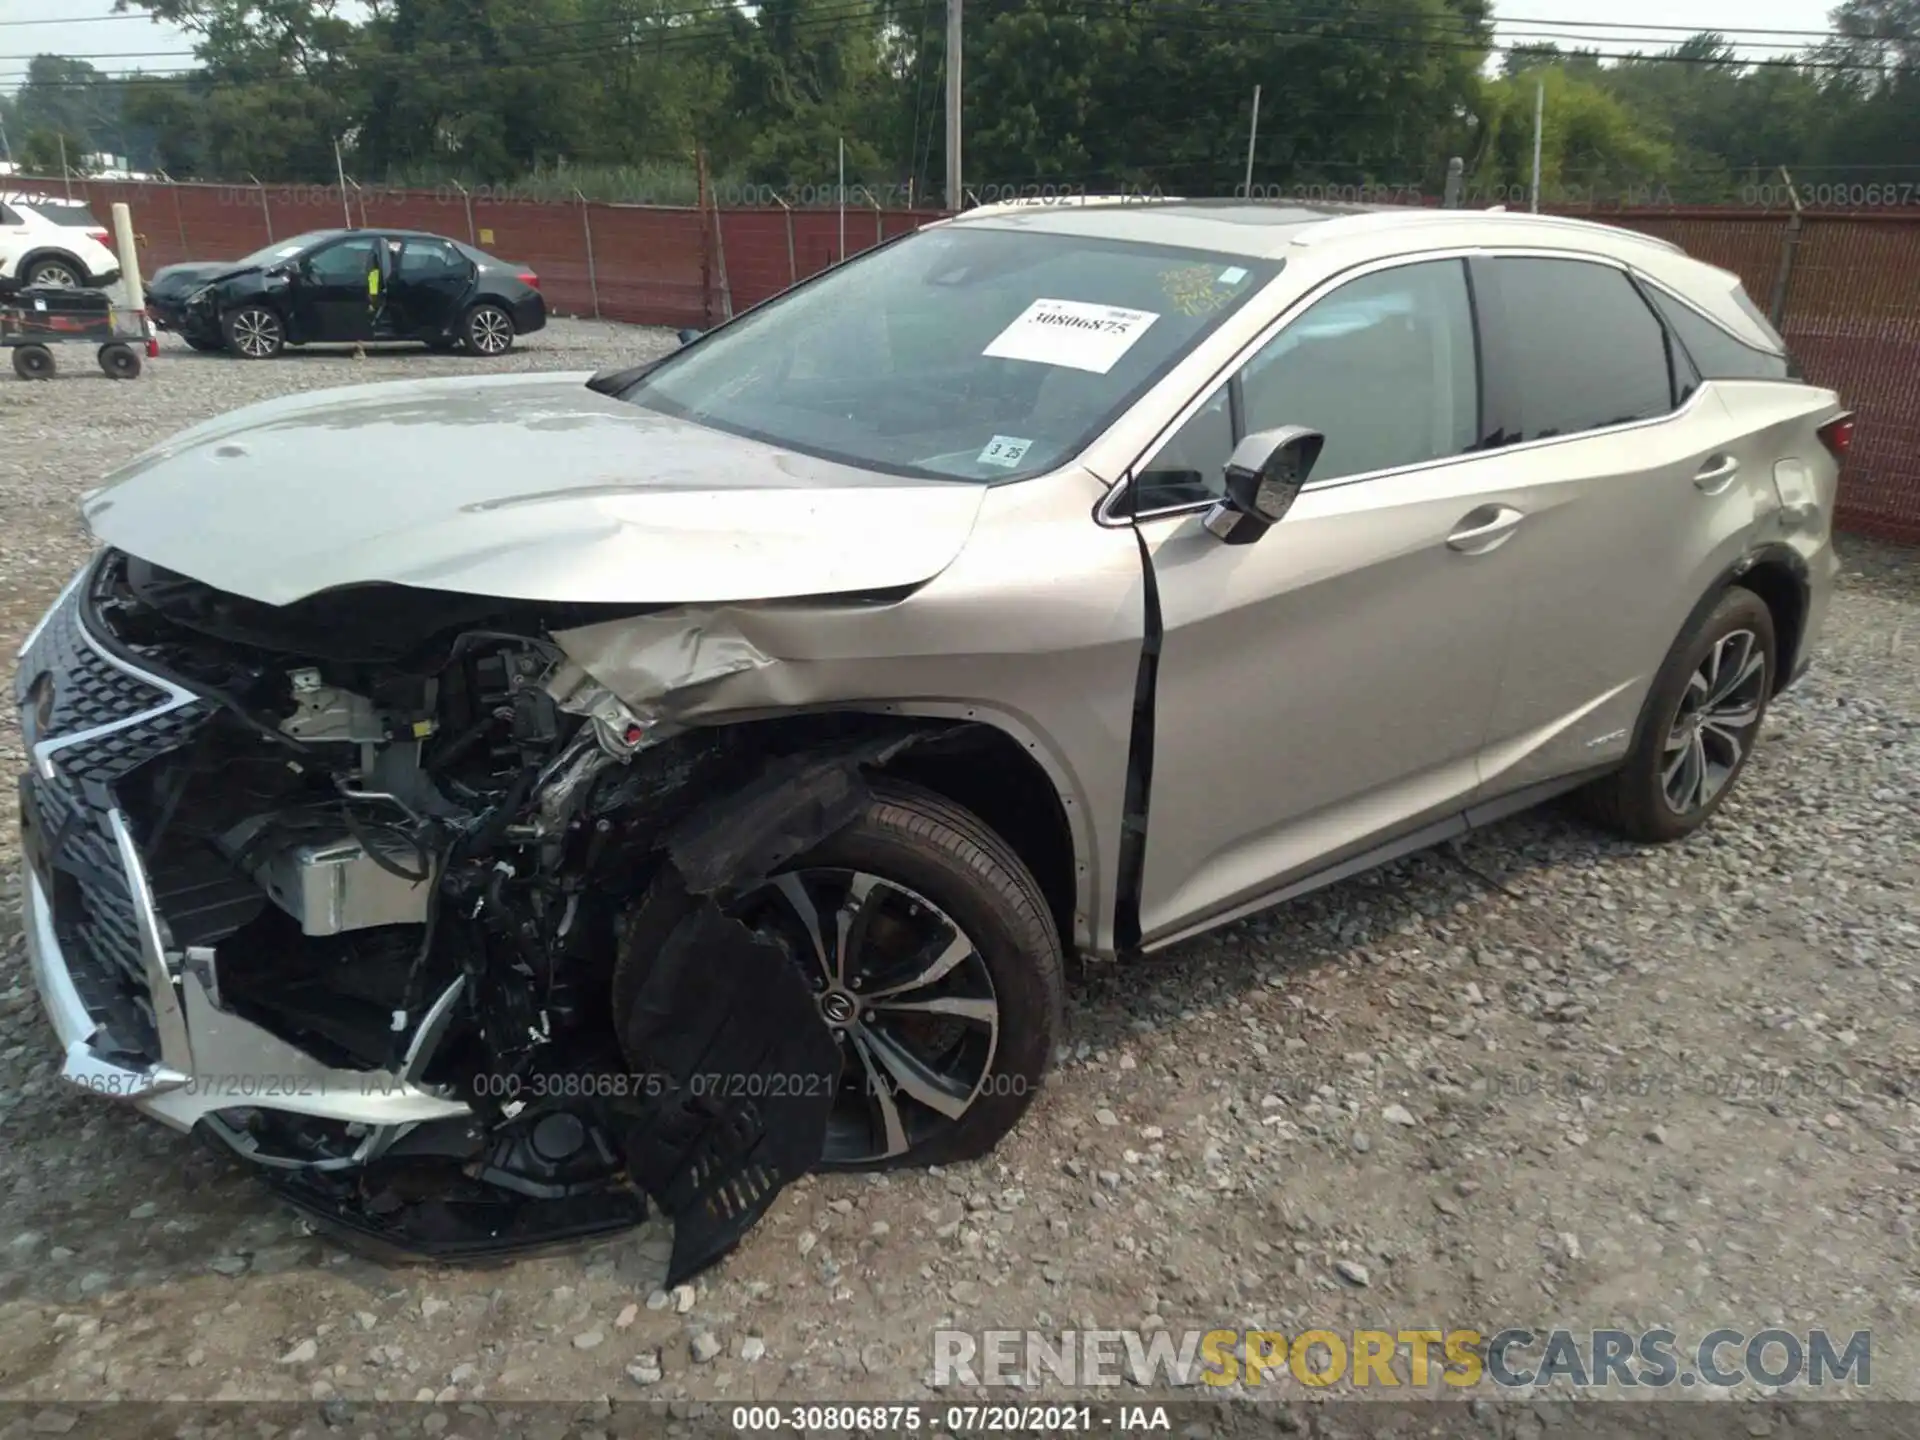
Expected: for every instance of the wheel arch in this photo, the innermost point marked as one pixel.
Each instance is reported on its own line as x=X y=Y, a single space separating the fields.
x=1778 y=575
x=52 y=252
x=984 y=763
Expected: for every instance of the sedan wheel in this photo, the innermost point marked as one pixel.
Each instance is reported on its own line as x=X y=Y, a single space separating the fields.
x=254 y=332
x=489 y=330
x=53 y=275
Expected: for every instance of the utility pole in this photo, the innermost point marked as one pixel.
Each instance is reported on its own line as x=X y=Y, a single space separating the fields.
x=340 y=169
x=1539 y=119
x=954 y=196
x=1253 y=132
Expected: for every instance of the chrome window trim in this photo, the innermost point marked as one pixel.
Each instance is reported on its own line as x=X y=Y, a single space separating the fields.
x=1674 y=295
x=1104 y=512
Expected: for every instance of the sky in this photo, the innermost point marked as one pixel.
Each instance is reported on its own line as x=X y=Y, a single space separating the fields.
x=74 y=27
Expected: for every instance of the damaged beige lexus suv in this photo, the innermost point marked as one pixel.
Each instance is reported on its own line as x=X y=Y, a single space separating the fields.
x=504 y=809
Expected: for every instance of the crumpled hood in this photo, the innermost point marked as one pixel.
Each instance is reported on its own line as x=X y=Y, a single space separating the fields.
x=522 y=487
x=179 y=281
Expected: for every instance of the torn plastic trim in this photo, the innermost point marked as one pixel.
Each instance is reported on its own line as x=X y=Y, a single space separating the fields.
x=725 y=1016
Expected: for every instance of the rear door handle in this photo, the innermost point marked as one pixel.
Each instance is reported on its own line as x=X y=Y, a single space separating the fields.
x=1719 y=474
x=1484 y=529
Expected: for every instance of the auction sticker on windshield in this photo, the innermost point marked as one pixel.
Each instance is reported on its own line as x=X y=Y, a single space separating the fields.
x=1071 y=333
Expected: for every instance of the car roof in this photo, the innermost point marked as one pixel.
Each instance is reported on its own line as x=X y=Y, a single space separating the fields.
x=1269 y=231
x=1326 y=239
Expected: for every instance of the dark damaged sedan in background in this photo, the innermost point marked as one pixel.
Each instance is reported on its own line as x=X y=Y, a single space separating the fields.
x=497 y=808
x=338 y=286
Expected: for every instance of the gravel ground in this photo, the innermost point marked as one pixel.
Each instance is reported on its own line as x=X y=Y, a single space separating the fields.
x=1539 y=1078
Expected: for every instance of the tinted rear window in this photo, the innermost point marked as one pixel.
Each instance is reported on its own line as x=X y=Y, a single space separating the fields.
x=77 y=216
x=1585 y=350
x=1718 y=354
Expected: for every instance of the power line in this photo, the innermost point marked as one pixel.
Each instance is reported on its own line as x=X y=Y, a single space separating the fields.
x=86 y=19
x=1335 y=27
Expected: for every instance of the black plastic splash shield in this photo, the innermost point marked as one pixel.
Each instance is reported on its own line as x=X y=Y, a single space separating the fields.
x=749 y=1069
x=462 y=1221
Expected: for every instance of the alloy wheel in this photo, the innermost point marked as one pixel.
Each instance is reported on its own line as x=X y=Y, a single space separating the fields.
x=1713 y=727
x=52 y=275
x=490 y=331
x=905 y=991
x=256 y=333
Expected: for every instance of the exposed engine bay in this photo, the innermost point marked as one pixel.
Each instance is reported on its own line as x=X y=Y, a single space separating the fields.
x=403 y=833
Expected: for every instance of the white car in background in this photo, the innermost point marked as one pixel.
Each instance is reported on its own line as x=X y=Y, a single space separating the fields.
x=55 y=243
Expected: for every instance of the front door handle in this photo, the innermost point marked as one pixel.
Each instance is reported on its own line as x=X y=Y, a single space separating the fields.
x=1484 y=529
x=1721 y=472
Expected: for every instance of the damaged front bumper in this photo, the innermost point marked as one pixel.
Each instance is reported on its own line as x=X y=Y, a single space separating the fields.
x=128 y=944
x=187 y=1059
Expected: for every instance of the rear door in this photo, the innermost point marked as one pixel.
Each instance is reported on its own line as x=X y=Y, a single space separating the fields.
x=429 y=284
x=331 y=298
x=1639 y=494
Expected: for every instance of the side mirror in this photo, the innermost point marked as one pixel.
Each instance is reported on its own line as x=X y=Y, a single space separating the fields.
x=1264 y=478
x=687 y=337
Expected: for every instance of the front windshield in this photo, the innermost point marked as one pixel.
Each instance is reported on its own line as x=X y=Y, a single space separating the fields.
x=284 y=249
x=963 y=352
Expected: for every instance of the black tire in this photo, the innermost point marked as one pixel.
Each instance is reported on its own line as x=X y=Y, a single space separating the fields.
x=56 y=271
x=33 y=362
x=1637 y=801
x=204 y=346
x=487 y=330
x=119 y=361
x=254 y=332
x=914 y=839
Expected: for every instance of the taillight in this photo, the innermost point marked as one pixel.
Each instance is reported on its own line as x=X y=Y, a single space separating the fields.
x=1837 y=436
x=100 y=235
x=527 y=277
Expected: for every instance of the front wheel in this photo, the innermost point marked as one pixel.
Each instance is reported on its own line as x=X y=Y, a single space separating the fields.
x=1699 y=727
x=934 y=960
x=489 y=330
x=253 y=332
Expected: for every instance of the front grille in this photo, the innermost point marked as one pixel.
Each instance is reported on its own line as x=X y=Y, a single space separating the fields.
x=69 y=838
x=89 y=691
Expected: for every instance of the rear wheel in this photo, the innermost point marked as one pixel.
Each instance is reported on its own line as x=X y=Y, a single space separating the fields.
x=489 y=330
x=33 y=362
x=55 y=272
x=1698 y=731
x=253 y=332
x=934 y=960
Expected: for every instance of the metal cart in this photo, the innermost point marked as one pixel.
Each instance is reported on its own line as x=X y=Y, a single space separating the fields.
x=34 y=320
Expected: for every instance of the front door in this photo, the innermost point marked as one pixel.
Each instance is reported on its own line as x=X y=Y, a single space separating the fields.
x=331 y=297
x=1329 y=687
x=429 y=284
